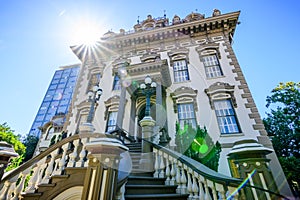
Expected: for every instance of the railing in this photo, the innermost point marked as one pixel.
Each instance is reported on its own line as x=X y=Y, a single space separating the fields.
x=122 y=135
x=70 y=152
x=200 y=182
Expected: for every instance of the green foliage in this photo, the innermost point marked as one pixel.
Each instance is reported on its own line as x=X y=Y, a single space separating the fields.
x=197 y=144
x=30 y=142
x=283 y=126
x=7 y=135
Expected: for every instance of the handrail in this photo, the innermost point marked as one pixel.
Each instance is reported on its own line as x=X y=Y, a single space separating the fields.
x=122 y=133
x=57 y=145
x=209 y=173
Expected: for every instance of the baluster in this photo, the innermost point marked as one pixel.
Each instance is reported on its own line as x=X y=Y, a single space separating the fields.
x=80 y=162
x=178 y=177
x=156 y=164
x=183 y=180
x=189 y=183
x=195 y=187
x=221 y=190
x=5 y=189
x=12 y=188
x=60 y=166
x=173 y=172
x=213 y=188
x=49 y=168
x=161 y=166
x=74 y=154
x=207 y=195
x=201 y=191
x=42 y=170
x=168 y=172
x=20 y=186
x=33 y=179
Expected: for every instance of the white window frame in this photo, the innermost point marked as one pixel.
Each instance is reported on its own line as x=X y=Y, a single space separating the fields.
x=117 y=83
x=181 y=72
x=186 y=114
x=226 y=116
x=212 y=66
x=111 y=121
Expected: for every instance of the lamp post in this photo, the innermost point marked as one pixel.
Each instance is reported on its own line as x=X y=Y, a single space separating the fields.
x=94 y=96
x=147 y=89
x=147 y=124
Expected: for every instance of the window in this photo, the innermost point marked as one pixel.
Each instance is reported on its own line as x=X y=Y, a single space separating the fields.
x=212 y=66
x=117 y=83
x=94 y=80
x=186 y=114
x=181 y=73
x=112 y=121
x=226 y=117
x=49 y=133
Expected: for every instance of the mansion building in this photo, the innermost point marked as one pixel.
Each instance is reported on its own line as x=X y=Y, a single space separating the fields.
x=165 y=73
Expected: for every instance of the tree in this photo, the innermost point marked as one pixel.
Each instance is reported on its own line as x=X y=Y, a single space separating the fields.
x=8 y=135
x=198 y=145
x=283 y=127
x=30 y=142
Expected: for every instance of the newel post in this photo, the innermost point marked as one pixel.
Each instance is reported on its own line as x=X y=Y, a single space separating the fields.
x=102 y=172
x=252 y=165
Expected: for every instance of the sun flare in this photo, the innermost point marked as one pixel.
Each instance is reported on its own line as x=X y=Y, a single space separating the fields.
x=87 y=32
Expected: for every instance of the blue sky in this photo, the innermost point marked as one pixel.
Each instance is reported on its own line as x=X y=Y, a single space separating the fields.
x=35 y=37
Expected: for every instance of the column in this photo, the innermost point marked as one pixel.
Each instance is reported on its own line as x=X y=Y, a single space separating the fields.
x=132 y=116
x=121 y=107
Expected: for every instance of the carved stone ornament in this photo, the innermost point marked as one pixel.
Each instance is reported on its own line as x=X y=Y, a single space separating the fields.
x=220 y=90
x=112 y=104
x=209 y=49
x=184 y=95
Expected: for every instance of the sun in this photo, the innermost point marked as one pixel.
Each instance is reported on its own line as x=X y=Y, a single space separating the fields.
x=87 y=32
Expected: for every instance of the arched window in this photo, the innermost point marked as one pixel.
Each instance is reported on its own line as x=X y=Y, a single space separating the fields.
x=179 y=62
x=185 y=105
x=209 y=56
x=222 y=100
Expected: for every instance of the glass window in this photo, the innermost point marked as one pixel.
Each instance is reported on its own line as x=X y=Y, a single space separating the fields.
x=226 y=117
x=52 y=86
x=117 y=83
x=186 y=114
x=181 y=72
x=94 y=80
x=212 y=66
x=50 y=132
x=112 y=121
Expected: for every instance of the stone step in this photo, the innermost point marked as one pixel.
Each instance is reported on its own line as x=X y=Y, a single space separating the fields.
x=156 y=196
x=150 y=189
x=145 y=180
x=45 y=187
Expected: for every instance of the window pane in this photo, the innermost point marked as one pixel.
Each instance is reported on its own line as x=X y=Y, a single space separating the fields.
x=212 y=66
x=180 y=71
x=112 y=121
x=186 y=114
x=226 y=117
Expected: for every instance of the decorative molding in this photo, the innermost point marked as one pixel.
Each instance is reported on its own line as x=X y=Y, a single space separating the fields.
x=112 y=104
x=209 y=49
x=184 y=95
x=220 y=90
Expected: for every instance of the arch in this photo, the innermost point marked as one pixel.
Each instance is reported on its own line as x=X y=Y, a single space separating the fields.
x=73 y=193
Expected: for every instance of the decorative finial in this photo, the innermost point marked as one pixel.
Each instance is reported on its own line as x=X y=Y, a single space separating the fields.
x=196 y=10
x=165 y=16
x=138 y=20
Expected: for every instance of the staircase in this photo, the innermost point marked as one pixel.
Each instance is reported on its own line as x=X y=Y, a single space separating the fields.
x=142 y=184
